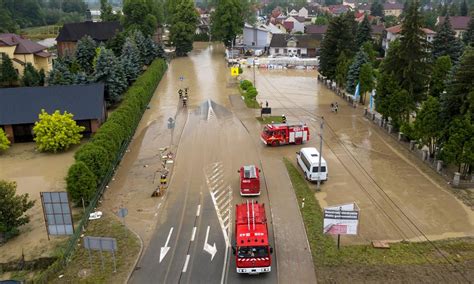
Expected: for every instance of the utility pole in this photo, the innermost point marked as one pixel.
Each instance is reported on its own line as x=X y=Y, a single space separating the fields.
x=320 y=152
x=254 y=73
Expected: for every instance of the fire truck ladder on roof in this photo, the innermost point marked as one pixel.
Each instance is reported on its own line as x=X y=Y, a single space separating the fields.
x=248 y=215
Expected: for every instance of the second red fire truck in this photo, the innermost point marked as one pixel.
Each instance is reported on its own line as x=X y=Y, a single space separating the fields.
x=276 y=134
x=252 y=250
x=249 y=180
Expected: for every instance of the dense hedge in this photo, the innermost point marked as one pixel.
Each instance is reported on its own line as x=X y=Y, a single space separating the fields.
x=101 y=154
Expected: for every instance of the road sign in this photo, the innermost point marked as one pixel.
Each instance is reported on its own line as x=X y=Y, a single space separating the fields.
x=101 y=244
x=234 y=71
x=341 y=220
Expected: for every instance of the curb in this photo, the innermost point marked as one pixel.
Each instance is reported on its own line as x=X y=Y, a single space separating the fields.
x=138 y=257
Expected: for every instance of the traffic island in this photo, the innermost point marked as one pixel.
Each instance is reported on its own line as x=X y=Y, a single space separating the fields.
x=429 y=262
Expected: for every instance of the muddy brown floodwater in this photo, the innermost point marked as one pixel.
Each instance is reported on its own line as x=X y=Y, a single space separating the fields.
x=397 y=197
x=34 y=172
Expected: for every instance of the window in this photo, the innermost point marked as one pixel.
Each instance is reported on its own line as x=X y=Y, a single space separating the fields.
x=323 y=169
x=277 y=50
x=285 y=51
x=305 y=161
x=260 y=251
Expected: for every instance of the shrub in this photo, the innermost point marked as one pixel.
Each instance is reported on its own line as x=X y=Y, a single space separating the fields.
x=81 y=182
x=245 y=84
x=95 y=157
x=12 y=210
x=4 y=142
x=252 y=93
x=56 y=132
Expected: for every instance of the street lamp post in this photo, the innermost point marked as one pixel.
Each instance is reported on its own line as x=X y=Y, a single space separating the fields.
x=254 y=73
x=320 y=151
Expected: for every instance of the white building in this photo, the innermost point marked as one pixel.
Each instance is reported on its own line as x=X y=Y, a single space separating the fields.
x=297 y=25
x=256 y=36
x=295 y=45
x=394 y=32
x=303 y=12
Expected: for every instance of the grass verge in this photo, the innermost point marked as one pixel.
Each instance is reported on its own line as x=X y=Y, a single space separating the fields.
x=42 y=32
x=269 y=119
x=325 y=253
x=250 y=103
x=79 y=268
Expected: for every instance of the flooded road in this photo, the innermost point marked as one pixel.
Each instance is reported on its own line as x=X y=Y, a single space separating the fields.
x=398 y=198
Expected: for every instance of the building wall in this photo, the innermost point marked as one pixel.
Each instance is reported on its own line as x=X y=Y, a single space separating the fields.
x=9 y=132
x=303 y=12
x=66 y=47
x=9 y=50
x=287 y=51
x=297 y=26
x=395 y=12
x=255 y=37
x=43 y=63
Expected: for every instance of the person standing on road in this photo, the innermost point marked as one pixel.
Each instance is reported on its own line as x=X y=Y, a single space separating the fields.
x=266 y=103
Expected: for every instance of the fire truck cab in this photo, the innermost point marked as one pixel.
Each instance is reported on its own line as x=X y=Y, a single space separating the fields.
x=249 y=180
x=252 y=249
x=275 y=134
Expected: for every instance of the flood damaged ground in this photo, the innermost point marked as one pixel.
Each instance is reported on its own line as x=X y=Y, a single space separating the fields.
x=34 y=172
x=399 y=199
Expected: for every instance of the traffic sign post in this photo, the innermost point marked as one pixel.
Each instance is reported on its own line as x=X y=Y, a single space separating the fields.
x=234 y=71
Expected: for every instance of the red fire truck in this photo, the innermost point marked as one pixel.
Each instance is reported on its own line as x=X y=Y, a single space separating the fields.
x=252 y=250
x=249 y=180
x=284 y=133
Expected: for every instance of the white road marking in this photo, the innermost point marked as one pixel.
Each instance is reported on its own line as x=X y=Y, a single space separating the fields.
x=186 y=263
x=194 y=234
x=156 y=214
x=212 y=250
x=198 y=210
x=158 y=206
x=164 y=250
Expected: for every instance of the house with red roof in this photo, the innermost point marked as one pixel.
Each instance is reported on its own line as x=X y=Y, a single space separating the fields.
x=394 y=32
x=459 y=24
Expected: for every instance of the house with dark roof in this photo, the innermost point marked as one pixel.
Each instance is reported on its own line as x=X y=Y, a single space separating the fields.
x=71 y=33
x=23 y=51
x=459 y=24
x=20 y=107
x=306 y=45
x=316 y=29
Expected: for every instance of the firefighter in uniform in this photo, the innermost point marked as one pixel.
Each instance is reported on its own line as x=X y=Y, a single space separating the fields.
x=180 y=92
x=283 y=118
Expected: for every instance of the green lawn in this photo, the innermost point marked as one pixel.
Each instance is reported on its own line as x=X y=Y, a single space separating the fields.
x=324 y=247
x=270 y=119
x=41 y=32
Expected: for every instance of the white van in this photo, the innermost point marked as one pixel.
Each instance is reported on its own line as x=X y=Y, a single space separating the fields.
x=308 y=160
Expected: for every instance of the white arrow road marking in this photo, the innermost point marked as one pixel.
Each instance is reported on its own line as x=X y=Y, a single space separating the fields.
x=212 y=250
x=164 y=250
x=185 y=267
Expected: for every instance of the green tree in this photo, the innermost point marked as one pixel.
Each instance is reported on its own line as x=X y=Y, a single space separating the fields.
x=427 y=122
x=339 y=38
x=414 y=65
x=130 y=60
x=81 y=183
x=137 y=16
x=70 y=6
x=459 y=148
x=463 y=10
x=151 y=50
x=366 y=79
x=4 y=142
x=106 y=12
x=12 y=210
x=342 y=68
x=446 y=43
x=376 y=9
x=8 y=75
x=7 y=23
x=321 y=20
x=85 y=53
x=31 y=77
x=60 y=74
x=56 y=132
x=468 y=36
x=183 y=27
x=441 y=69
x=170 y=7
x=363 y=32
x=139 y=40
x=353 y=75
x=109 y=71
x=227 y=21
x=456 y=100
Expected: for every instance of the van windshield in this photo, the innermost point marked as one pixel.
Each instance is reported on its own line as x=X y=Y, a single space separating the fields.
x=323 y=169
x=260 y=251
x=267 y=132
